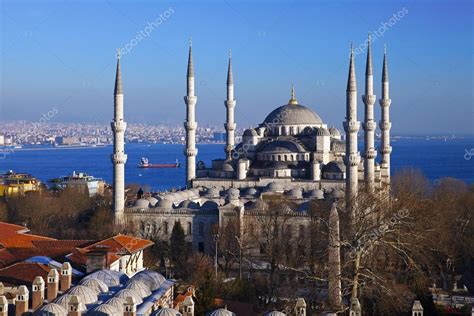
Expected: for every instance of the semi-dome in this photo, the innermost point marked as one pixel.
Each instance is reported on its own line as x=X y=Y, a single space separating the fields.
x=87 y=295
x=282 y=146
x=51 y=309
x=292 y=114
x=140 y=287
x=95 y=284
x=166 y=312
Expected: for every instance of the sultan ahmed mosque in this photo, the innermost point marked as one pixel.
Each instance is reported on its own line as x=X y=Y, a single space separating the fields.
x=292 y=153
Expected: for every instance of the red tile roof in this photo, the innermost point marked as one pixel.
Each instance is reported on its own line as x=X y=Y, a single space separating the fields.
x=23 y=273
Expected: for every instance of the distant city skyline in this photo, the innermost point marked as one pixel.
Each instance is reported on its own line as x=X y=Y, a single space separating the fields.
x=60 y=57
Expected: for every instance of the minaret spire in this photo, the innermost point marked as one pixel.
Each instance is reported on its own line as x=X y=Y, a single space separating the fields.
x=190 y=124
x=230 y=124
x=119 y=158
x=351 y=127
x=385 y=124
x=293 y=100
x=369 y=123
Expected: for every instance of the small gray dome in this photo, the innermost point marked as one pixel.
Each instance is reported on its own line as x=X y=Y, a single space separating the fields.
x=334 y=132
x=295 y=193
x=166 y=312
x=104 y=310
x=109 y=277
x=221 y=312
x=213 y=192
x=165 y=203
x=142 y=203
x=140 y=287
x=117 y=302
x=96 y=285
x=51 y=309
x=86 y=294
x=274 y=187
x=275 y=313
x=151 y=278
x=250 y=132
x=124 y=293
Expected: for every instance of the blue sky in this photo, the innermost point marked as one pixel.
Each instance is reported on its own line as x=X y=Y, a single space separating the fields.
x=61 y=54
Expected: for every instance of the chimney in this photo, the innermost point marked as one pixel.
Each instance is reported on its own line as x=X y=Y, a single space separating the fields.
x=130 y=307
x=75 y=308
x=53 y=283
x=66 y=277
x=188 y=306
x=3 y=305
x=38 y=293
x=22 y=299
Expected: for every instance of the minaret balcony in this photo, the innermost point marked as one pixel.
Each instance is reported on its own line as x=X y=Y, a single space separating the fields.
x=118 y=126
x=190 y=100
x=352 y=160
x=385 y=102
x=118 y=158
x=230 y=126
x=384 y=126
x=386 y=150
x=190 y=152
x=352 y=126
x=369 y=126
x=190 y=126
x=370 y=154
x=369 y=99
x=230 y=104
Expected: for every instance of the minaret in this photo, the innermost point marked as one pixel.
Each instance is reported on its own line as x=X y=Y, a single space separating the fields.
x=369 y=123
x=118 y=157
x=230 y=105
x=351 y=126
x=334 y=252
x=190 y=124
x=385 y=124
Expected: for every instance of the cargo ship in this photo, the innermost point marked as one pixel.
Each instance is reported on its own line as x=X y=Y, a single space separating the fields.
x=145 y=164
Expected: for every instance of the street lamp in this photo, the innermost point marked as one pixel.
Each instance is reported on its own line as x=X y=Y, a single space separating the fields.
x=240 y=256
x=216 y=239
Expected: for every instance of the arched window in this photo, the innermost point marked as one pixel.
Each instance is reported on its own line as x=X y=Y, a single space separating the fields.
x=190 y=232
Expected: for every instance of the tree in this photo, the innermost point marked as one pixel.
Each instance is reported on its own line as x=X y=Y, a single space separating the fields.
x=178 y=248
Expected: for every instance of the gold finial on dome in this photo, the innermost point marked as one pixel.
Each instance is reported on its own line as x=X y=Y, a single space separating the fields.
x=293 y=100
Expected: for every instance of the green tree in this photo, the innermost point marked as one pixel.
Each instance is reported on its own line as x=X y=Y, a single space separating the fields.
x=178 y=249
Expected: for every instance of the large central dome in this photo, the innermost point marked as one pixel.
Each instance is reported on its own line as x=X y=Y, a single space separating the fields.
x=292 y=114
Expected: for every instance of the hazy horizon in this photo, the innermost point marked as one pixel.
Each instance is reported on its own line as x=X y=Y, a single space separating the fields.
x=62 y=55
